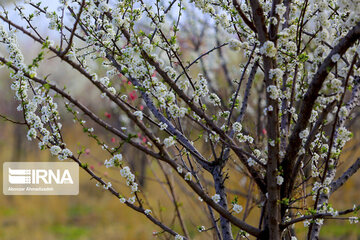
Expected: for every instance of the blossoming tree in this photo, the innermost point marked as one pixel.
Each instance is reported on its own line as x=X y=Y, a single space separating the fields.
x=228 y=89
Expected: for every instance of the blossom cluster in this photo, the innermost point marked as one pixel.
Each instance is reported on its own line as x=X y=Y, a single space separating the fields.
x=116 y=160
x=125 y=172
x=47 y=124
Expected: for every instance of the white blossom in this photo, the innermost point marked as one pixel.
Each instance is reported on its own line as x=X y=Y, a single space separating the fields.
x=274 y=92
x=214 y=99
x=107 y=186
x=114 y=161
x=168 y=142
x=237 y=127
x=306 y=223
x=201 y=228
x=280 y=9
x=237 y=208
x=216 y=198
x=179 y=237
x=163 y=126
x=276 y=74
x=353 y=220
x=234 y=44
x=31 y=134
x=268 y=49
x=335 y=57
x=139 y=114
x=188 y=176
x=65 y=153
x=55 y=150
x=131 y=200
x=251 y=162
x=304 y=134
x=279 y=180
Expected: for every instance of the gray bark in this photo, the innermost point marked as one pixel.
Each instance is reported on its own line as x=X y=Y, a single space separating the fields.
x=220 y=189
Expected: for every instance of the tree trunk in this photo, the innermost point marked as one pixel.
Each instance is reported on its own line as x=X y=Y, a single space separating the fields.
x=220 y=189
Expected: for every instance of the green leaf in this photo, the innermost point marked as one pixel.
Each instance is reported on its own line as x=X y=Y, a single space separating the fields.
x=46 y=86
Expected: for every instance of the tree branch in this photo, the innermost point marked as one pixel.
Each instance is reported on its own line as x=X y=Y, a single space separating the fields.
x=336 y=184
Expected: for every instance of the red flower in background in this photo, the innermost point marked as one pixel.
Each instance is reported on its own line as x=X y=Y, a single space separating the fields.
x=108 y=115
x=264 y=131
x=133 y=95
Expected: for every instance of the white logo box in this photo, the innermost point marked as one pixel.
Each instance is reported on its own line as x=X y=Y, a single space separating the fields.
x=40 y=178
